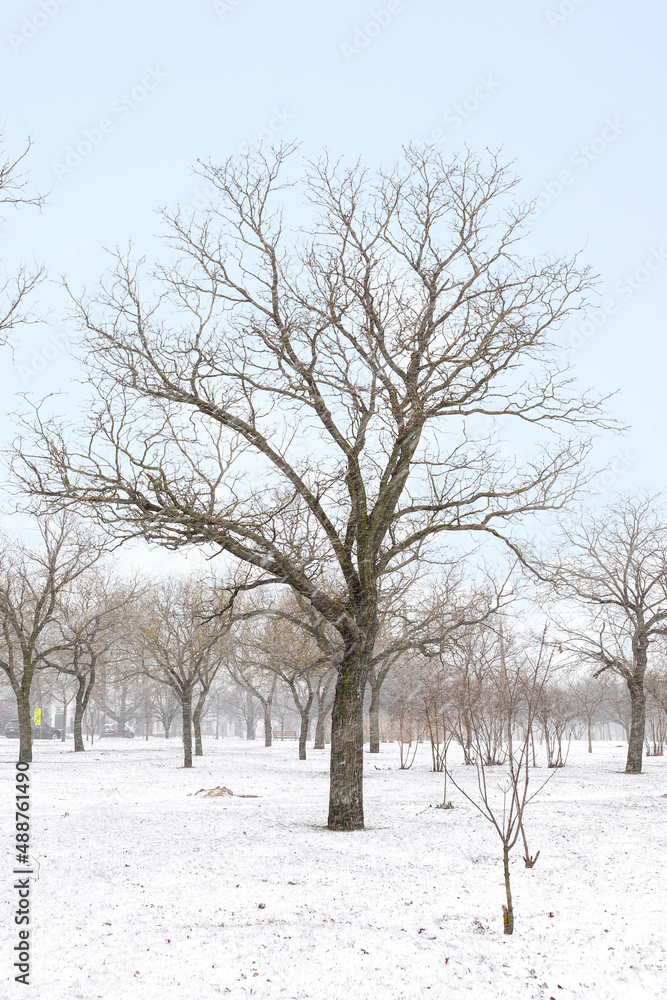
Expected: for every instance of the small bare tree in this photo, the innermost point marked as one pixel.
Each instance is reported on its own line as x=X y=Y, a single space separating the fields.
x=505 y=806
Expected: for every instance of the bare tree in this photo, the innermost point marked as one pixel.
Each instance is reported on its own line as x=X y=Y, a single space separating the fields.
x=15 y=291
x=33 y=584
x=250 y=675
x=656 y=686
x=324 y=695
x=556 y=710
x=613 y=568
x=287 y=649
x=347 y=370
x=589 y=694
x=177 y=636
x=504 y=807
x=89 y=625
x=165 y=706
x=66 y=694
x=427 y=621
x=209 y=665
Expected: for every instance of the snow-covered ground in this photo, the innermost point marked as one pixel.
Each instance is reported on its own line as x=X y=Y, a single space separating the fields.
x=146 y=890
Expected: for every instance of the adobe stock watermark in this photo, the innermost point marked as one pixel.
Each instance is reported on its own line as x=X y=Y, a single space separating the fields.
x=42 y=359
x=580 y=160
x=121 y=109
x=225 y=7
x=625 y=288
x=460 y=112
x=565 y=9
x=621 y=463
x=365 y=33
x=31 y=26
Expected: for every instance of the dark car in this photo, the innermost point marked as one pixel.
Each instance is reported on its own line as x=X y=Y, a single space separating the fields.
x=43 y=732
x=113 y=730
x=46 y=732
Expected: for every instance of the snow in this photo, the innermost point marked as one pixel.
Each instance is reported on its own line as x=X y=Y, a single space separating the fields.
x=148 y=890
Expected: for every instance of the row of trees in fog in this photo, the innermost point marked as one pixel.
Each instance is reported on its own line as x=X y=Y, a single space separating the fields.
x=124 y=649
x=359 y=416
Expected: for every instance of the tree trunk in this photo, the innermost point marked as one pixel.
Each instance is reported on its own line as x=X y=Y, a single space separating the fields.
x=196 y=719
x=319 y=726
x=268 y=727
x=637 y=727
x=79 y=708
x=305 y=720
x=63 y=735
x=374 y=718
x=186 y=705
x=250 y=717
x=508 y=911
x=590 y=734
x=25 y=729
x=637 y=705
x=467 y=750
x=346 y=789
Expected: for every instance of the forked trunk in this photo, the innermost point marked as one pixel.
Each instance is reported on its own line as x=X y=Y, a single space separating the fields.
x=196 y=721
x=346 y=792
x=305 y=720
x=186 y=705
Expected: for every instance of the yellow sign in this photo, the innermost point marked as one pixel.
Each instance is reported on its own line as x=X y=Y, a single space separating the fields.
x=38 y=716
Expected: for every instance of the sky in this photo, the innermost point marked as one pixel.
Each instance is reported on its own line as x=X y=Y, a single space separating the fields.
x=122 y=98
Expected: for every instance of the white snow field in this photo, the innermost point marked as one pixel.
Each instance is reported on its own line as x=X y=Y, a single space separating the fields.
x=146 y=890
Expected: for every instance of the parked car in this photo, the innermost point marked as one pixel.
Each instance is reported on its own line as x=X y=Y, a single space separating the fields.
x=43 y=732
x=112 y=730
x=46 y=732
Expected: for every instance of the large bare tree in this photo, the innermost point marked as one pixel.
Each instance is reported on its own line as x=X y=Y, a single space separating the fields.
x=612 y=568
x=308 y=398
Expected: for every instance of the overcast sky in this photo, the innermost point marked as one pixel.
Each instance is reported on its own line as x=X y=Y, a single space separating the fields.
x=121 y=98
